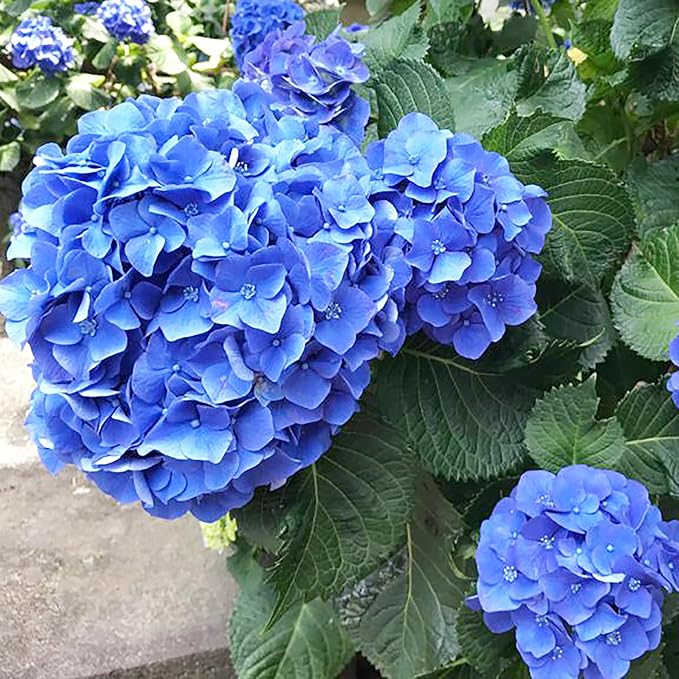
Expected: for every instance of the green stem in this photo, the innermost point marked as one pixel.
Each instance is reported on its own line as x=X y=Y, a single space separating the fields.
x=544 y=22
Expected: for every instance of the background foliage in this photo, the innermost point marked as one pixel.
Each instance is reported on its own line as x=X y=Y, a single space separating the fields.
x=382 y=529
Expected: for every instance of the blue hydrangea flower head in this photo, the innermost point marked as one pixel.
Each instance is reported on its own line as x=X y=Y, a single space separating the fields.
x=673 y=381
x=88 y=8
x=253 y=19
x=313 y=80
x=37 y=42
x=207 y=286
x=577 y=563
x=127 y=19
x=468 y=229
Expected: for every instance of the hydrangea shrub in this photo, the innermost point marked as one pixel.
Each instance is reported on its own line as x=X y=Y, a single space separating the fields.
x=395 y=313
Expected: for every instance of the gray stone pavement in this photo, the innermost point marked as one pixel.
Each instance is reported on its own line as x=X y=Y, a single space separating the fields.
x=89 y=587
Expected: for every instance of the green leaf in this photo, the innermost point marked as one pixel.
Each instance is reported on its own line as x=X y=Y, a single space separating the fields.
x=650 y=422
x=562 y=430
x=462 y=424
x=483 y=97
x=445 y=11
x=10 y=155
x=306 y=643
x=578 y=313
x=396 y=38
x=640 y=26
x=600 y=9
x=37 y=92
x=521 y=138
x=93 y=29
x=103 y=58
x=645 y=296
x=322 y=22
x=6 y=76
x=212 y=47
x=653 y=188
x=593 y=219
x=407 y=625
x=409 y=86
x=550 y=83
x=483 y=650
x=83 y=92
x=657 y=76
x=352 y=508
x=166 y=55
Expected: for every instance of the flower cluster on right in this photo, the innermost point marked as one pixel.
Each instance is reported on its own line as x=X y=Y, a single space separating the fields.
x=468 y=228
x=578 y=564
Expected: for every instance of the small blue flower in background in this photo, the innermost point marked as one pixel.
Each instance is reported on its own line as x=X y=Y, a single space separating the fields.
x=576 y=563
x=127 y=19
x=86 y=7
x=673 y=382
x=310 y=79
x=466 y=226
x=253 y=19
x=37 y=42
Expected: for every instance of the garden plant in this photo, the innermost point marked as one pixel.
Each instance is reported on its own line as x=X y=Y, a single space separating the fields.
x=390 y=307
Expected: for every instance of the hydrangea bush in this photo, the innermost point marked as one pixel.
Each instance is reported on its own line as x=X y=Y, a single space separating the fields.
x=393 y=310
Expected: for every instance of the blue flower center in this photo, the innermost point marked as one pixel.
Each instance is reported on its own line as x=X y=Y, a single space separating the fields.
x=249 y=290
x=494 y=299
x=176 y=368
x=613 y=638
x=305 y=366
x=439 y=184
x=575 y=587
x=633 y=585
x=544 y=499
x=191 y=209
x=441 y=294
x=547 y=542
x=195 y=424
x=438 y=247
x=509 y=573
x=342 y=207
x=188 y=178
x=226 y=244
x=127 y=294
x=557 y=653
x=88 y=327
x=93 y=218
x=190 y=293
x=413 y=159
x=609 y=548
x=378 y=174
x=242 y=166
x=276 y=343
x=153 y=230
x=333 y=312
x=540 y=620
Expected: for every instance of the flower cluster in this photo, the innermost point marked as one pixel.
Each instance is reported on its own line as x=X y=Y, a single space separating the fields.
x=527 y=5
x=577 y=563
x=673 y=382
x=37 y=42
x=87 y=8
x=203 y=297
x=468 y=228
x=127 y=19
x=312 y=80
x=253 y=19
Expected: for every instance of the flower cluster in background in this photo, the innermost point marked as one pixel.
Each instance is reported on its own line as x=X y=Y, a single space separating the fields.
x=673 y=382
x=577 y=563
x=312 y=80
x=127 y=19
x=203 y=298
x=253 y=19
x=37 y=42
x=468 y=229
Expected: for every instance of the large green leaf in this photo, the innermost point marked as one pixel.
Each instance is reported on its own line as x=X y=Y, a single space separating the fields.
x=550 y=83
x=83 y=91
x=562 y=430
x=306 y=643
x=650 y=422
x=482 y=97
x=483 y=650
x=593 y=216
x=578 y=313
x=404 y=620
x=462 y=422
x=654 y=188
x=37 y=92
x=645 y=295
x=10 y=155
x=521 y=138
x=643 y=25
x=351 y=510
x=409 y=86
x=657 y=76
x=322 y=23
x=397 y=38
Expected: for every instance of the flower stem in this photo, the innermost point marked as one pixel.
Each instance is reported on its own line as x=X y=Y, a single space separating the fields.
x=544 y=22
